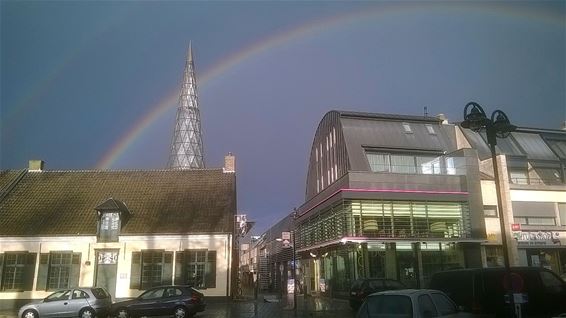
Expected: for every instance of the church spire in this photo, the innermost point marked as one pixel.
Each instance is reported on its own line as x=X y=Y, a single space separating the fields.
x=186 y=147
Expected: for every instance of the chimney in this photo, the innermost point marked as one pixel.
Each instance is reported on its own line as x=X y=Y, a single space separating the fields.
x=229 y=163
x=443 y=118
x=36 y=165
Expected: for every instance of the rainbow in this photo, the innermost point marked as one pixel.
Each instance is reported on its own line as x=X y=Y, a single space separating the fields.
x=312 y=28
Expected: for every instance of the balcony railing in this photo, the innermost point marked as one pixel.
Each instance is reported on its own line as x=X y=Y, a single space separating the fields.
x=535 y=181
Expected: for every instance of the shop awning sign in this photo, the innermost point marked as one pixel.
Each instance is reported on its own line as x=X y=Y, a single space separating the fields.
x=538 y=237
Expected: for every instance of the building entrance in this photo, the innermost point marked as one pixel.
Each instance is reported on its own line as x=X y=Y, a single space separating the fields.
x=106 y=270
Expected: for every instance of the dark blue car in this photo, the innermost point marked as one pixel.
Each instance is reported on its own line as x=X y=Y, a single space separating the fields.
x=179 y=301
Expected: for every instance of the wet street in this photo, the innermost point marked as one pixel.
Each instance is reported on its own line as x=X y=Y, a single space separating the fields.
x=266 y=306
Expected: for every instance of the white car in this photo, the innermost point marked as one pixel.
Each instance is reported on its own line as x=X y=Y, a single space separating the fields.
x=409 y=303
x=82 y=302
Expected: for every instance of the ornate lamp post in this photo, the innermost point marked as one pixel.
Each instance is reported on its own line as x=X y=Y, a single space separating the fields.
x=498 y=126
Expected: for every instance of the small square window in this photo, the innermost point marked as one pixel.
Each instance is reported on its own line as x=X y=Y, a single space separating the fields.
x=430 y=129
x=490 y=211
x=520 y=220
x=407 y=128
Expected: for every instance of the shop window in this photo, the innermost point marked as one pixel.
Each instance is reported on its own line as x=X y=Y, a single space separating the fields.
x=58 y=270
x=17 y=272
x=520 y=220
x=196 y=268
x=541 y=221
x=544 y=221
x=494 y=256
x=151 y=268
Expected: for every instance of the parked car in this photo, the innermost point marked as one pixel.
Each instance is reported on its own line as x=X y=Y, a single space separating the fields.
x=482 y=290
x=179 y=301
x=83 y=302
x=409 y=303
x=361 y=288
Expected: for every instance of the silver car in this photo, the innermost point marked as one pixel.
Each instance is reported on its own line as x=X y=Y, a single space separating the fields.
x=409 y=303
x=87 y=302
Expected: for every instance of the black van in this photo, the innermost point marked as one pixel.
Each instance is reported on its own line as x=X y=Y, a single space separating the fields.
x=482 y=291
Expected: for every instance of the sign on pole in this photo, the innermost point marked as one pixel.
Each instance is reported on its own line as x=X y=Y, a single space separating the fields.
x=286 y=235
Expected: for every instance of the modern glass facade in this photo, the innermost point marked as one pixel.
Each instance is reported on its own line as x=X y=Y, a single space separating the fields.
x=385 y=219
x=403 y=240
x=333 y=272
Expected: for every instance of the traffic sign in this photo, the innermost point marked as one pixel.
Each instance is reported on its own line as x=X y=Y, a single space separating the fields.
x=286 y=235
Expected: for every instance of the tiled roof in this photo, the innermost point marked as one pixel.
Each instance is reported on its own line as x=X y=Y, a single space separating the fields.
x=160 y=201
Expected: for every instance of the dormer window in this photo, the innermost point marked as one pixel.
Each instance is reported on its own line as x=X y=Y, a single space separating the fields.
x=112 y=216
x=407 y=128
x=109 y=227
x=430 y=129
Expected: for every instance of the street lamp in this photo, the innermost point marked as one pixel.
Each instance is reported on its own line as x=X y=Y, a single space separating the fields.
x=498 y=126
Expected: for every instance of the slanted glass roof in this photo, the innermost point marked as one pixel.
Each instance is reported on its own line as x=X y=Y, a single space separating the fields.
x=508 y=146
x=559 y=147
x=534 y=146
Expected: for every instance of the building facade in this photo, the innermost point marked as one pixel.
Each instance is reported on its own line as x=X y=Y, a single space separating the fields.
x=387 y=196
x=403 y=197
x=126 y=231
x=533 y=192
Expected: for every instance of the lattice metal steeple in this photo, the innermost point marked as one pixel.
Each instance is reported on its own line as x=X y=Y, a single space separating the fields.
x=186 y=147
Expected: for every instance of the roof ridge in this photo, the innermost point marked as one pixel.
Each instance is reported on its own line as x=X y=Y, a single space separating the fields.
x=399 y=117
x=128 y=170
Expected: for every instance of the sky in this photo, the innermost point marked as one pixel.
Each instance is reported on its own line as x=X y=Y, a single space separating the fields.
x=94 y=84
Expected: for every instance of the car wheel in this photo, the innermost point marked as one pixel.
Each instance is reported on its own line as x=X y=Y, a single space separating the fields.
x=181 y=312
x=122 y=313
x=87 y=313
x=30 y=314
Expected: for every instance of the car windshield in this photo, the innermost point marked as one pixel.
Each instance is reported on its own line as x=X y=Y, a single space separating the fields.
x=389 y=306
x=152 y=294
x=59 y=295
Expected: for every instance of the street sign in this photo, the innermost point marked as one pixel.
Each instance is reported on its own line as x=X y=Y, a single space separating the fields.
x=286 y=235
x=515 y=227
x=286 y=243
